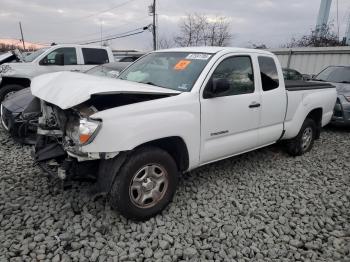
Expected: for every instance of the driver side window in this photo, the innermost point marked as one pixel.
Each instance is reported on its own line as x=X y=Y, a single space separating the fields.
x=68 y=54
x=237 y=71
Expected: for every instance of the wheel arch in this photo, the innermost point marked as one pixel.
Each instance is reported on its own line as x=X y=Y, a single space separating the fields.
x=175 y=146
x=316 y=115
x=25 y=82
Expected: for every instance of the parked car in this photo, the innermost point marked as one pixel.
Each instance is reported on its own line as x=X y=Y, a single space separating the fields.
x=131 y=57
x=11 y=56
x=338 y=76
x=170 y=112
x=19 y=113
x=16 y=76
x=291 y=74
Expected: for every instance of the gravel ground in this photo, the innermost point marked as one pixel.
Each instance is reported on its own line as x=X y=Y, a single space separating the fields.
x=262 y=206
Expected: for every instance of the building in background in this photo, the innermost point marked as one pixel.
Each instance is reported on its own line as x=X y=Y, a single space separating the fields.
x=311 y=60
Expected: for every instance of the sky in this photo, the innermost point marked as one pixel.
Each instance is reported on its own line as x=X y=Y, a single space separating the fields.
x=270 y=22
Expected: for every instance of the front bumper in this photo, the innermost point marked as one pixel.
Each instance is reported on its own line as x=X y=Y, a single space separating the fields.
x=341 y=115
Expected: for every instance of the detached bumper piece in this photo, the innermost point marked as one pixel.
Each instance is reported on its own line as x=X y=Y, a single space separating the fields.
x=341 y=115
x=53 y=160
x=22 y=130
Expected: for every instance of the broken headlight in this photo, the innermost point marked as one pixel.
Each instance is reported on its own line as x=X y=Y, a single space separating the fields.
x=88 y=129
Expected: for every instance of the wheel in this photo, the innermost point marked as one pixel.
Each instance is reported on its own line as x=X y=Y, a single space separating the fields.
x=8 y=90
x=145 y=184
x=304 y=141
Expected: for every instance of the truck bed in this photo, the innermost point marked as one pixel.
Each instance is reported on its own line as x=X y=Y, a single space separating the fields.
x=297 y=85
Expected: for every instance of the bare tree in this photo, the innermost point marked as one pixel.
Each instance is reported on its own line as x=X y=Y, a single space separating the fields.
x=197 y=30
x=164 y=43
x=321 y=37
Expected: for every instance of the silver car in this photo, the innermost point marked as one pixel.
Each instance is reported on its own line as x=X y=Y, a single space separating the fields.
x=338 y=76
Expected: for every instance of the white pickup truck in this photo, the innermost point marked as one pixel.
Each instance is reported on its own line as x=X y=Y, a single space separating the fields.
x=16 y=76
x=173 y=111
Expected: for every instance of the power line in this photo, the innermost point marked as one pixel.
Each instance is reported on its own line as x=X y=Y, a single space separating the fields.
x=115 y=36
x=95 y=40
x=106 y=39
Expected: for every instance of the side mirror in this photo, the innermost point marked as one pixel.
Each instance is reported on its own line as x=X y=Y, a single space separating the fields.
x=220 y=85
x=216 y=86
x=59 y=59
x=307 y=77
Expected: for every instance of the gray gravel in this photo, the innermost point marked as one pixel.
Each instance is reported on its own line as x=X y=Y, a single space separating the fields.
x=262 y=206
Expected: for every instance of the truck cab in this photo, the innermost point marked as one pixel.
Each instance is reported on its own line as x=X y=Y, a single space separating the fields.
x=79 y=58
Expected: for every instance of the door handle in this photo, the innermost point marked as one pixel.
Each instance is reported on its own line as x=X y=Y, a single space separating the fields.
x=254 y=105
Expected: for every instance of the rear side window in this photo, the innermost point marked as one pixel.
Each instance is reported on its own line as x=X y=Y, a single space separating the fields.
x=94 y=56
x=268 y=72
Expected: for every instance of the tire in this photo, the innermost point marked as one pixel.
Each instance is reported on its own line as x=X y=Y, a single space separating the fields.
x=7 y=89
x=304 y=141
x=145 y=184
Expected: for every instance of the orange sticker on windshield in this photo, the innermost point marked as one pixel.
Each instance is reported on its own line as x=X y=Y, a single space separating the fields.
x=182 y=64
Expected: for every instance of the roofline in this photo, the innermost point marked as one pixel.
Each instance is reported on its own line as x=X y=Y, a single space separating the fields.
x=79 y=45
x=215 y=50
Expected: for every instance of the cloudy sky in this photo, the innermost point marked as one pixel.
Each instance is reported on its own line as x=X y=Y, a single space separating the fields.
x=272 y=22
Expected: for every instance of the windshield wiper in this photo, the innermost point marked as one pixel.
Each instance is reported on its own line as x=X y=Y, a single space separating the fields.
x=150 y=83
x=344 y=82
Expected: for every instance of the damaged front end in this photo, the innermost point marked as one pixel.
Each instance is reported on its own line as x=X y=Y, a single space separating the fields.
x=62 y=134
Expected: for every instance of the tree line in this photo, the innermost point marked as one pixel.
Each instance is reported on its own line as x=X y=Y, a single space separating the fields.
x=201 y=30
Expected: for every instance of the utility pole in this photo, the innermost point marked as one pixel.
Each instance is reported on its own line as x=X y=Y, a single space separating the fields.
x=101 y=21
x=20 y=28
x=154 y=26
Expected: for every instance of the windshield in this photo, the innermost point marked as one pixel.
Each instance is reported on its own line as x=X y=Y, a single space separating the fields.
x=32 y=56
x=335 y=74
x=173 y=70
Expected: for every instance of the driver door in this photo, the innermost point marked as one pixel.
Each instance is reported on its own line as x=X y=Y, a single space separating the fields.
x=230 y=120
x=60 y=59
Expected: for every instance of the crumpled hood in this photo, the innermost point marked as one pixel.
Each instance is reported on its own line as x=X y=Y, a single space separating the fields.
x=20 y=100
x=68 y=89
x=6 y=56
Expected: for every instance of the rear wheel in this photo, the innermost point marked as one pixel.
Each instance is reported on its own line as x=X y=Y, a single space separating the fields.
x=304 y=141
x=145 y=184
x=8 y=90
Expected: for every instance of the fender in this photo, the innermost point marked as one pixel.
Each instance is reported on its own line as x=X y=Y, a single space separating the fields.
x=125 y=128
x=297 y=112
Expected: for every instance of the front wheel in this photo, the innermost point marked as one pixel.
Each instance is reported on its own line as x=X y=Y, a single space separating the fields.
x=145 y=184
x=304 y=141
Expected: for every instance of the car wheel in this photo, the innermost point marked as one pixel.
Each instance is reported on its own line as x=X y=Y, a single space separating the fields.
x=304 y=141
x=145 y=184
x=8 y=90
